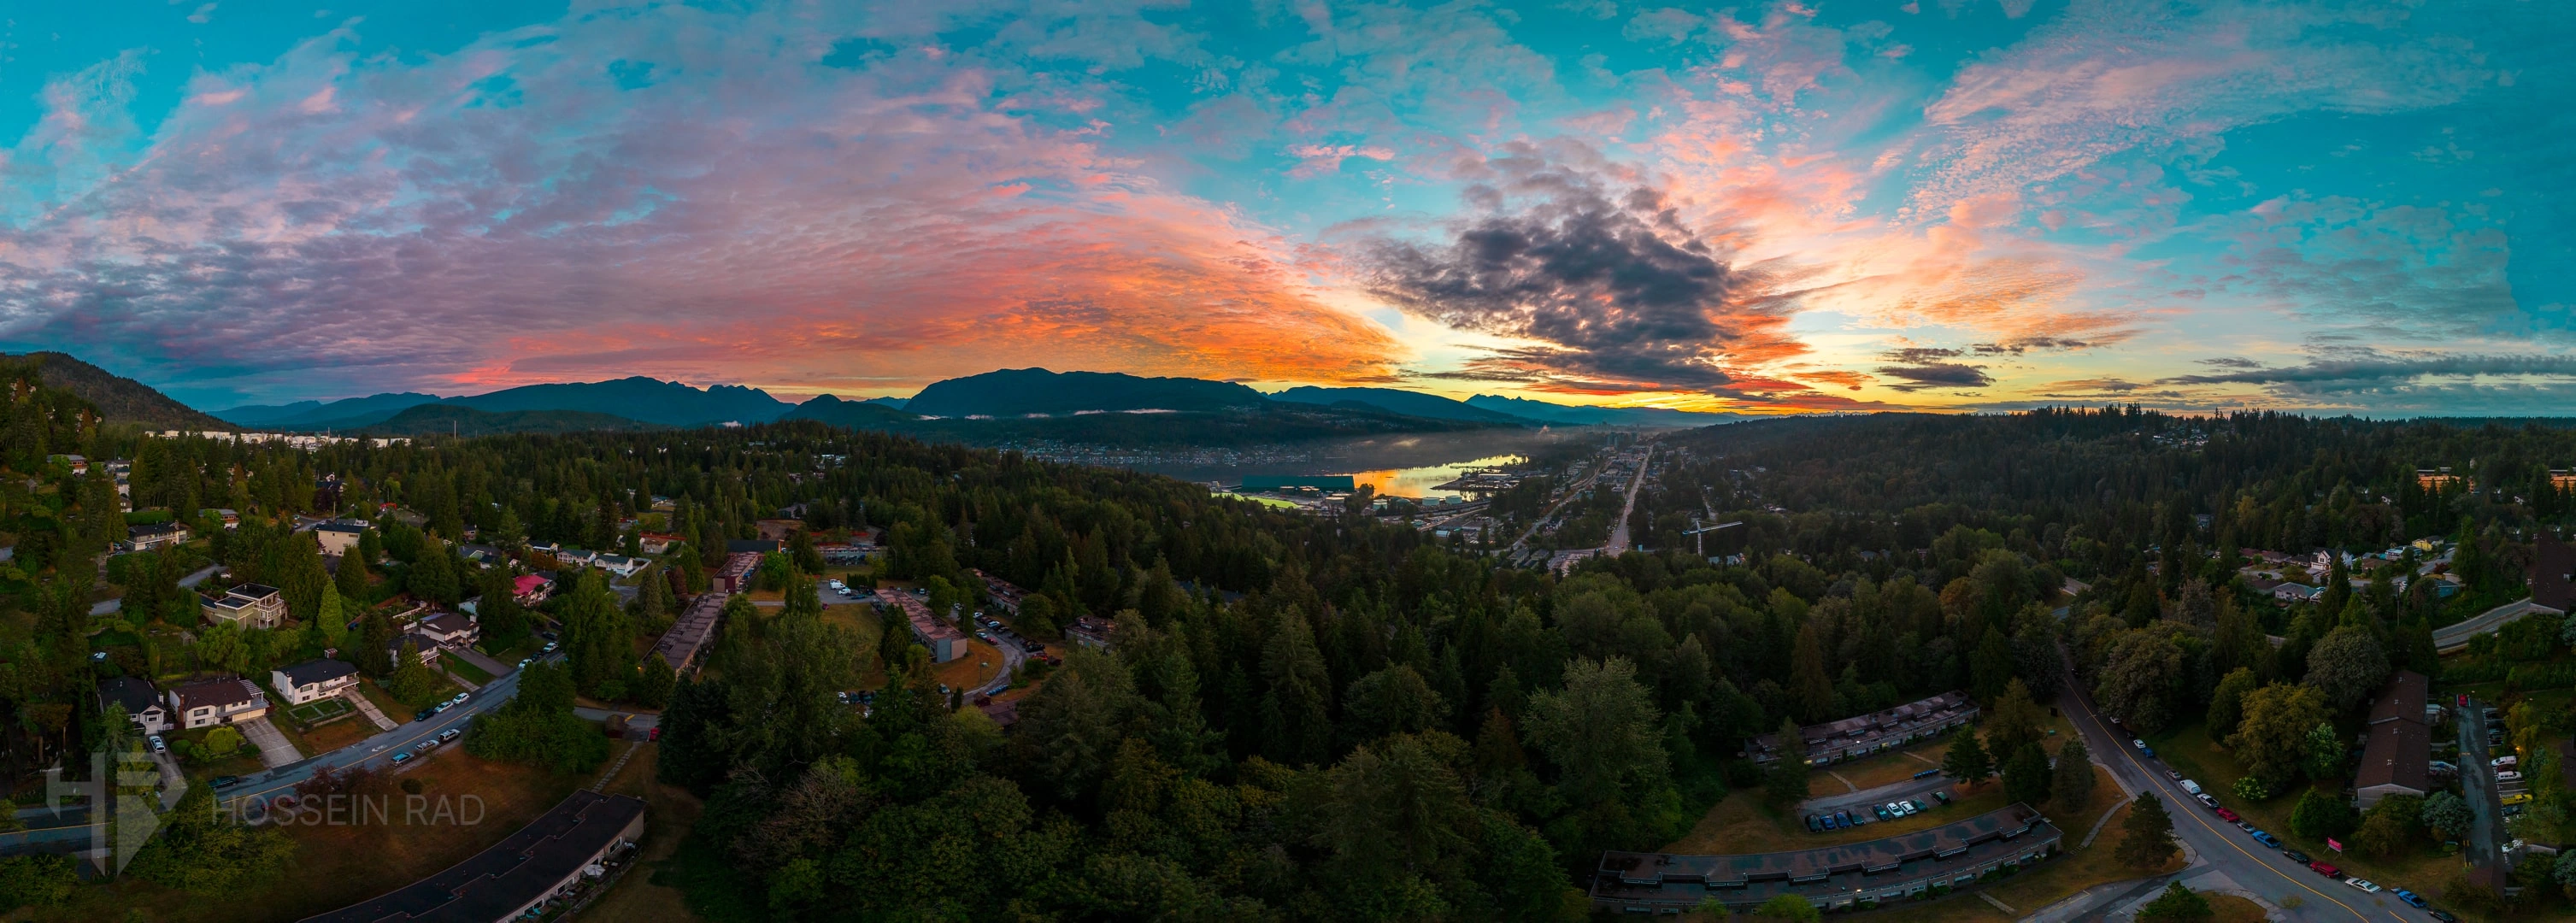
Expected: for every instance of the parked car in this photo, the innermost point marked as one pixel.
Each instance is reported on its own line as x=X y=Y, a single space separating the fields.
x=2508 y=776
x=2140 y=744
x=158 y=745
x=2296 y=856
x=2363 y=884
x=2267 y=839
x=2504 y=761
x=1943 y=797
x=425 y=714
x=401 y=757
x=2170 y=774
x=984 y=636
x=448 y=735
x=2410 y=897
x=1033 y=647
x=2442 y=915
x=1813 y=825
x=2325 y=870
x=227 y=781
x=2190 y=786
x=2226 y=815
x=524 y=661
x=1881 y=811
x=2205 y=799
x=548 y=649
x=1919 y=806
x=1842 y=819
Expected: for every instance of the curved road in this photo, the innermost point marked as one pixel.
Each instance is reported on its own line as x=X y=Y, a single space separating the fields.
x=2219 y=845
x=376 y=751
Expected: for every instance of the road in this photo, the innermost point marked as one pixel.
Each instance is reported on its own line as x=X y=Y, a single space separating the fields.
x=2484 y=845
x=2450 y=639
x=2223 y=850
x=1619 y=532
x=376 y=751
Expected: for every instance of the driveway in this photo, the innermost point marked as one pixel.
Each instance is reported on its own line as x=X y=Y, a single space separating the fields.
x=274 y=749
x=2218 y=846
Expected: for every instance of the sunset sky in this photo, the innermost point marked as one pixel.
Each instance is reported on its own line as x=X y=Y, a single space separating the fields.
x=1949 y=204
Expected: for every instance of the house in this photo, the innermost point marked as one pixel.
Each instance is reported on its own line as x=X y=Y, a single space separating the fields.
x=217 y=701
x=2396 y=754
x=515 y=878
x=312 y=680
x=423 y=646
x=152 y=535
x=141 y=702
x=484 y=557
x=619 y=564
x=249 y=605
x=452 y=629
x=2552 y=574
x=231 y=518
x=835 y=553
x=778 y=530
x=659 y=542
x=1091 y=631
x=576 y=557
x=2294 y=592
x=1864 y=735
x=1003 y=593
x=339 y=538
x=531 y=589
x=735 y=576
x=1844 y=877
x=679 y=646
x=945 y=642
x=2436 y=479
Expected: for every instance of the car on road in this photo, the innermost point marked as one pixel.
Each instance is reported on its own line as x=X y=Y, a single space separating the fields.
x=448 y=735
x=401 y=757
x=2518 y=798
x=984 y=636
x=2267 y=839
x=2140 y=744
x=158 y=745
x=2170 y=774
x=425 y=714
x=2205 y=799
x=227 y=781
x=2296 y=856
x=548 y=649
x=2508 y=776
x=2188 y=785
x=2411 y=898
x=523 y=662
x=457 y=699
x=1033 y=647
x=2362 y=883
x=2325 y=870
x=2226 y=815
x=2442 y=915
x=2504 y=761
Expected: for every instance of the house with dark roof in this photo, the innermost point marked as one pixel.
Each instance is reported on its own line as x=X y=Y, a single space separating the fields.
x=151 y=535
x=142 y=703
x=423 y=646
x=311 y=680
x=735 y=576
x=531 y=589
x=450 y=629
x=2397 y=754
x=945 y=642
x=1863 y=735
x=680 y=645
x=217 y=701
x=517 y=876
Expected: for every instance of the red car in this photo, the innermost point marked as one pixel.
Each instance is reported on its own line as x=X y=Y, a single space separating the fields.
x=2324 y=869
x=2226 y=815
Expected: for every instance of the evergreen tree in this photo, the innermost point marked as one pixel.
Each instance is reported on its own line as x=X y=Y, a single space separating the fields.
x=654 y=682
x=349 y=577
x=2147 y=840
x=2177 y=904
x=1967 y=760
x=1814 y=690
x=2027 y=775
x=2227 y=703
x=331 y=623
x=2072 y=782
x=1786 y=783
x=2320 y=814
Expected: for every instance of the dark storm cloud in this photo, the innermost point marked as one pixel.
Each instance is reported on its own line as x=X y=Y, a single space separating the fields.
x=1610 y=278
x=2375 y=371
x=1922 y=367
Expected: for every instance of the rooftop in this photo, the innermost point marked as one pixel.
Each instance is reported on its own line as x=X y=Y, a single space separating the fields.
x=2398 y=753
x=515 y=872
x=2401 y=699
x=316 y=671
x=218 y=693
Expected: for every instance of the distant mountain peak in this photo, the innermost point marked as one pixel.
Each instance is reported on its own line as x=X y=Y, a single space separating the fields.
x=118 y=398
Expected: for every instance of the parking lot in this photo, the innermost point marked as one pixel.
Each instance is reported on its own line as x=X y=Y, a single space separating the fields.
x=1861 y=803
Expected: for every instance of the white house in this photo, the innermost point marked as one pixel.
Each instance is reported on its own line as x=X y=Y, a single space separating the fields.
x=219 y=701
x=453 y=629
x=142 y=704
x=338 y=538
x=312 y=679
x=619 y=564
x=249 y=605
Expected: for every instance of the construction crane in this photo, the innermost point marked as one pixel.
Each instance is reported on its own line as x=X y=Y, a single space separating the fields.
x=1698 y=534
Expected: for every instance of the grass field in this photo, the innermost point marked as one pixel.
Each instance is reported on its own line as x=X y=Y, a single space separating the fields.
x=1885 y=768
x=466 y=668
x=668 y=813
x=2233 y=909
x=335 y=866
x=316 y=712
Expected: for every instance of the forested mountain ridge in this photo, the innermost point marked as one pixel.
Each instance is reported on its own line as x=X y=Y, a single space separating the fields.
x=117 y=398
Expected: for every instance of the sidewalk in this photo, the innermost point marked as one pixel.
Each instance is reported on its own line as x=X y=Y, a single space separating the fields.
x=369 y=709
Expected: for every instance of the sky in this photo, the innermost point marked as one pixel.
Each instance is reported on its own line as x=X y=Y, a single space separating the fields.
x=2333 y=207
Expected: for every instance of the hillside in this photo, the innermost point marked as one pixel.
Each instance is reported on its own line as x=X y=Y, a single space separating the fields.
x=851 y=414
x=647 y=400
x=1567 y=415
x=1390 y=400
x=1020 y=392
x=342 y=414
x=445 y=419
x=119 y=399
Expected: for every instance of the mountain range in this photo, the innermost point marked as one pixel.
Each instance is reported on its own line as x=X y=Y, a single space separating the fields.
x=952 y=407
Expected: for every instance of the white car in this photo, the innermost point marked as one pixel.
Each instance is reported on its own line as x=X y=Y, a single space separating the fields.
x=2363 y=884
x=158 y=746
x=2504 y=761
x=2508 y=776
x=2140 y=744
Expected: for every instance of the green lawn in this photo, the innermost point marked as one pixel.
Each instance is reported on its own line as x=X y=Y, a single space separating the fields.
x=466 y=668
x=311 y=713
